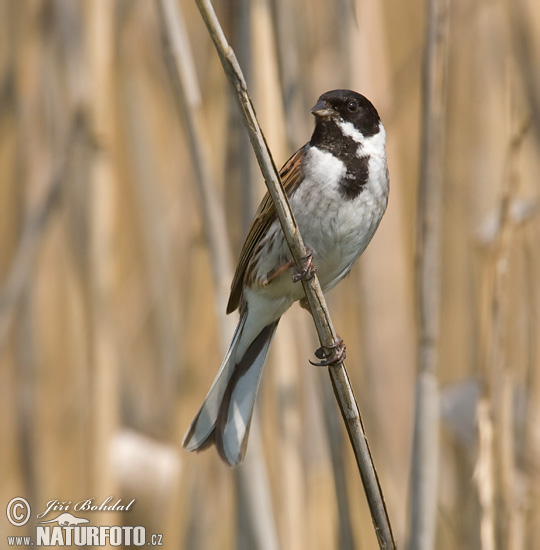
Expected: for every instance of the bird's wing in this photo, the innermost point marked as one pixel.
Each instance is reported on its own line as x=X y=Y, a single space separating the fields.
x=291 y=176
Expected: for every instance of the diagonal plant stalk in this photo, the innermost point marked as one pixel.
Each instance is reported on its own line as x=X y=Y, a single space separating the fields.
x=254 y=493
x=327 y=335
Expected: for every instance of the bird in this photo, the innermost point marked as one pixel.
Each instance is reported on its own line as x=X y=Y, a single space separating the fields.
x=337 y=185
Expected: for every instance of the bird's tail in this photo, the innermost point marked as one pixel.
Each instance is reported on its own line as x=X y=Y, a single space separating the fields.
x=225 y=415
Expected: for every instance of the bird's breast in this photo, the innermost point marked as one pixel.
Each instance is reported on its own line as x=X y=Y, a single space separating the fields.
x=338 y=226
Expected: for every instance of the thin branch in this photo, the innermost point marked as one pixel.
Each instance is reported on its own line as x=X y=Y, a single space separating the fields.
x=312 y=288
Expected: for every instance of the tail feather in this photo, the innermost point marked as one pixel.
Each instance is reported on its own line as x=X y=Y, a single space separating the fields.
x=225 y=416
x=200 y=433
x=236 y=410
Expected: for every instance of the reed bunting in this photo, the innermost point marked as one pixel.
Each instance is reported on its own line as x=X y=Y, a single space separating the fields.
x=337 y=186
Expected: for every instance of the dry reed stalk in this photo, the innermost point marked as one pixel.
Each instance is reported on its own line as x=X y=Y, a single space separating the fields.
x=336 y=448
x=291 y=485
x=291 y=481
x=484 y=474
x=240 y=165
x=253 y=499
x=102 y=209
x=250 y=39
x=522 y=18
x=358 y=44
x=384 y=275
x=511 y=515
x=312 y=288
x=253 y=489
x=426 y=427
x=288 y=46
x=38 y=185
x=187 y=98
x=499 y=389
x=532 y=428
x=512 y=508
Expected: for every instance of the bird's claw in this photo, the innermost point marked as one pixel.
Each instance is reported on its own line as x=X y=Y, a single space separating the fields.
x=308 y=269
x=331 y=355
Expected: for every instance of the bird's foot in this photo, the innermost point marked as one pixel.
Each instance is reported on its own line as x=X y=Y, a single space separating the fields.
x=308 y=269
x=331 y=355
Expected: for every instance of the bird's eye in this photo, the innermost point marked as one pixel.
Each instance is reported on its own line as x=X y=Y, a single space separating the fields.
x=352 y=106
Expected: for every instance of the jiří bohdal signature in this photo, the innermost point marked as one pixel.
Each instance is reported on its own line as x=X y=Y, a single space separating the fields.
x=87 y=505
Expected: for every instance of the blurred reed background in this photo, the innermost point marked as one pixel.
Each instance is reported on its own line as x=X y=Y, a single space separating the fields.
x=111 y=306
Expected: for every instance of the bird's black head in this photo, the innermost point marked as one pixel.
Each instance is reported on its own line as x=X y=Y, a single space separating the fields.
x=350 y=107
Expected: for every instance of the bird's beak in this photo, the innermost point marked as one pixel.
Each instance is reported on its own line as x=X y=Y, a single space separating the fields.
x=322 y=110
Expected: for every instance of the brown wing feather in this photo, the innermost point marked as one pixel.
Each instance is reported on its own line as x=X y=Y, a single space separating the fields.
x=291 y=175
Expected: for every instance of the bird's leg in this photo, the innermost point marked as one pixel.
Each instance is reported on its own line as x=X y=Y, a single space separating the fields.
x=331 y=355
x=271 y=275
x=308 y=269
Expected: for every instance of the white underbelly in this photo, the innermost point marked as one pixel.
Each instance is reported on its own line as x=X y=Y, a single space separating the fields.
x=336 y=229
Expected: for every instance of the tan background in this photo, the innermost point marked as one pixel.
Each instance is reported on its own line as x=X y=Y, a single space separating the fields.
x=109 y=335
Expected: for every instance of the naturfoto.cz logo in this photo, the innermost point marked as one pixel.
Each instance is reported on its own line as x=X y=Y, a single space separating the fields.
x=67 y=529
